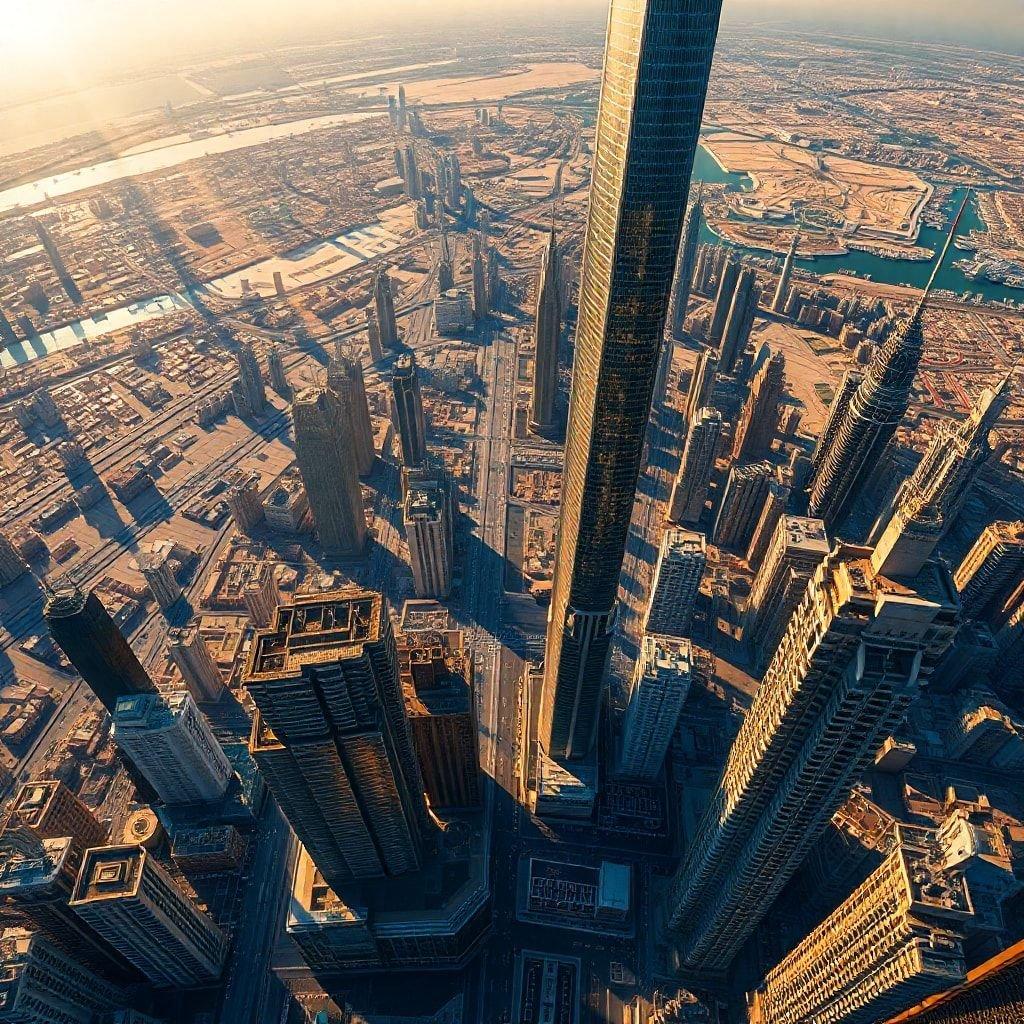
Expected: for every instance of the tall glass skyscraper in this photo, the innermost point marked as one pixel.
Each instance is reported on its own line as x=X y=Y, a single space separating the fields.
x=657 y=64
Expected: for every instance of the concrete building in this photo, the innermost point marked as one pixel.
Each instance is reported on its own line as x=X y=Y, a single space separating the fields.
x=798 y=546
x=427 y=519
x=332 y=736
x=345 y=379
x=453 y=312
x=445 y=265
x=246 y=505
x=547 y=332
x=985 y=732
x=990 y=578
x=408 y=405
x=171 y=744
x=896 y=940
x=387 y=323
x=856 y=651
x=276 y=371
x=727 y=276
x=159 y=568
x=660 y=59
x=192 y=657
x=49 y=810
x=330 y=471
x=373 y=341
x=702 y=384
x=661 y=683
x=12 y=565
x=130 y=899
x=740 y=321
x=248 y=392
x=286 y=507
x=85 y=632
x=690 y=490
x=782 y=291
x=261 y=597
x=745 y=494
x=677 y=576
x=775 y=504
x=759 y=420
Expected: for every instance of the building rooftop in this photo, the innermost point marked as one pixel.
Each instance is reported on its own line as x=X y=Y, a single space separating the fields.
x=109 y=872
x=27 y=862
x=809 y=534
x=32 y=801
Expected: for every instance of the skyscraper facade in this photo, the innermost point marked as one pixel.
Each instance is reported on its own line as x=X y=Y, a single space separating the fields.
x=652 y=99
x=681 y=561
x=744 y=498
x=445 y=267
x=782 y=291
x=728 y=275
x=740 y=321
x=547 y=332
x=332 y=736
x=248 y=391
x=191 y=656
x=686 y=264
x=384 y=300
x=755 y=431
x=345 y=379
x=836 y=412
x=82 y=628
x=481 y=299
x=49 y=810
x=702 y=384
x=373 y=342
x=990 y=578
x=408 y=403
x=327 y=461
x=854 y=654
x=690 y=491
x=775 y=504
x=427 y=518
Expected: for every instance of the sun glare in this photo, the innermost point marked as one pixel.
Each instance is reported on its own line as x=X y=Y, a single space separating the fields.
x=40 y=26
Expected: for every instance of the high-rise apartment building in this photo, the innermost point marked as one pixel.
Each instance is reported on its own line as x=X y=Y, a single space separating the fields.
x=854 y=654
x=873 y=414
x=690 y=491
x=681 y=561
x=159 y=569
x=547 y=333
x=246 y=505
x=893 y=942
x=798 y=546
x=345 y=379
x=384 y=301
x=652 y=99
x=12 y=565
x=248 y=392
x=755 y=431
x=49 y=810
x=702 y=384
x=990 y=578
x=427 y=518
x=127 y=895
x=408 y=404
x=332 y=736
x=686 y=264
x=740 y=321
x=276 y=371
x=929 y=500
x=782 y=291
x=745 y=494
x=83 y=629
x=191 y=656
x=171 y=744
x=775 y=504
x=727 y=275
x=329 y=469
x=661 y=682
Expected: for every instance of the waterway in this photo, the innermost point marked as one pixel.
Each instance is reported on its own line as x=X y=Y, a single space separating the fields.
x=868 y=265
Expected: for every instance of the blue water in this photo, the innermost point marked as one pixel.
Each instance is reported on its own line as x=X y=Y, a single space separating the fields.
x=878 y=268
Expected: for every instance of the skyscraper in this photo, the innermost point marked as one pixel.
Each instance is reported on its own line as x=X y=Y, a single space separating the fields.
x=727 y=278
x=384 y=299
x=990 y=578
x=742 y=502
x=782 y=291
x=681 y=560
x=661 y=682
x=755 y=431
x=547 y=333
x=85 y=632
x=248 y=392
x=199 y=672
x=170 y=743
x=445 y=267
x=427 y=518
x=276 y=371
x=740 y=320
x=875 y=411
x=854 y=654
x=327 y=461
x=836 y=412
x=130 y=899
x=408 y=404
x=775 y=504
x=12 y=565
x=373 y=342
x=246 y=505
x=686 y=264
x=481 y=300
x=929 y=500
x=702 y=383
x=652 y=99
x=345 y=379
x=49 y=810
x=332 y=737
x=690 y=491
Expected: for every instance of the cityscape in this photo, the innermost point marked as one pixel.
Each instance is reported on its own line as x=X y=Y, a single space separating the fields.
x=514 y=518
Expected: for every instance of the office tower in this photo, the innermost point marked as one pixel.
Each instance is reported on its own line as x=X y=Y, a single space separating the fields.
x=855 y=653
x=39 y=984
x=408 y=404
x=702 y=384
x=261 y=597
x=384 y=299
x=990 y=578
x=158 y=569
x=799 y=545
x=402 y=107
x=681 y=560
x=745 y=494
x=661 y=682
x=760 y=417
x=327 y=461
x=171 y=744
x=427 y=518
x=332 y=737
x=130 y=899
x=49 y=810
x=727 y=279
x=413 y=181
x=686 y=264
x=875 y=411
x=445 y=267
x=652 y=99
x=345 y=379
x=436 y=671
x=85 y=632
x=481 y=305
x=836 y=413
x=245 y=504
x=276 y=371
x=373 y=342
x=782 y=291
x=775 y=504
x=199 y=672
x=690 y=491
x=248 y=392
x=454 y=181
x=740 y=320
x=930 y=499
x=547 y=333
x=12 y=565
